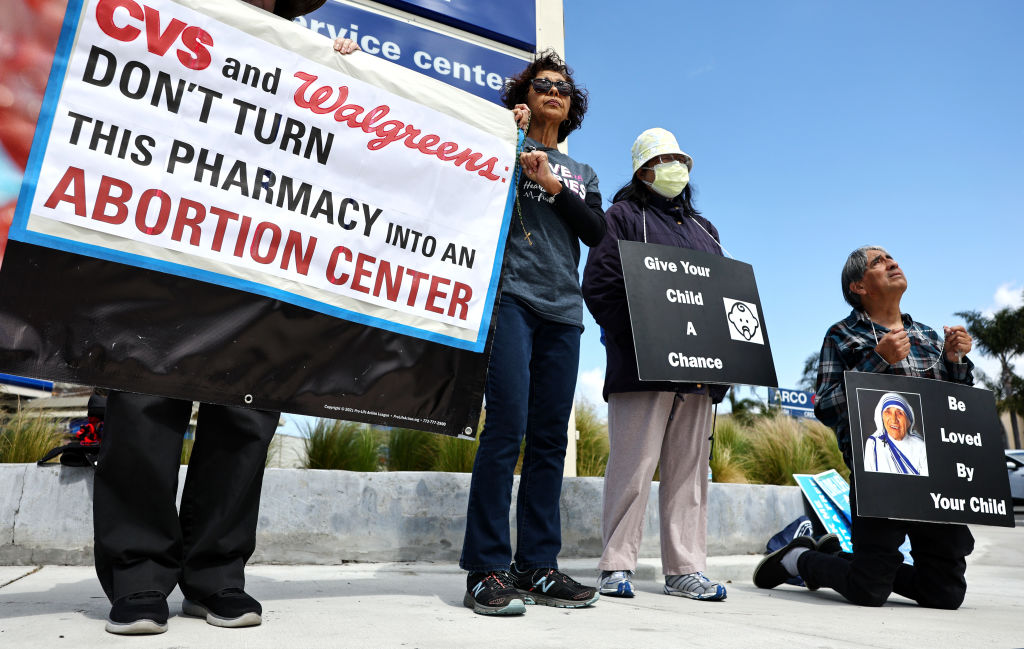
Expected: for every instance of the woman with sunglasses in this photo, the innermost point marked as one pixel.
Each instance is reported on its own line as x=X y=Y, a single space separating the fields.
x=531 y=376
x=652 y=422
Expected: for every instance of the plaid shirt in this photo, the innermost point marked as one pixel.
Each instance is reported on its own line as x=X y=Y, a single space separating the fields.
x=850 y=346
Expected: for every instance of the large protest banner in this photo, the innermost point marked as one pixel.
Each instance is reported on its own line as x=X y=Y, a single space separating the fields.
x=926 y=450
x=344 y=218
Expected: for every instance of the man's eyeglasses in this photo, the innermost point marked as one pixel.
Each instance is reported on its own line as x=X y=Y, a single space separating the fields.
x=542 y=85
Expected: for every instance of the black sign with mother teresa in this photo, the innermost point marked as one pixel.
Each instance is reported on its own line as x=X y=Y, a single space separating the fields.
x=696 y=316
x=927 y=450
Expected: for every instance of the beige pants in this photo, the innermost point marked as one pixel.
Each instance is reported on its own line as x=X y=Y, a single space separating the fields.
x=644 y=427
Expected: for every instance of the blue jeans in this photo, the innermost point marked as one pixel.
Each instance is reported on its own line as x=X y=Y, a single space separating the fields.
x=531 y=380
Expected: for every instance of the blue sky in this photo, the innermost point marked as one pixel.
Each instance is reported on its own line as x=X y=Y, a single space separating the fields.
x=817 y=127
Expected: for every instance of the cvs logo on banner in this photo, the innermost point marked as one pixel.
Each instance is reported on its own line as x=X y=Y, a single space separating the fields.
x=192 y=53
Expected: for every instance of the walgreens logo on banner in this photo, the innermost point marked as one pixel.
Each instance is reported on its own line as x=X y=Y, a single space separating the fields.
x=323 y=100
x=174 y=145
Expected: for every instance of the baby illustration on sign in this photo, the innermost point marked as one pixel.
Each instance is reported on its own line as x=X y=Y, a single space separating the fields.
x=743 y=320
x=896 y=446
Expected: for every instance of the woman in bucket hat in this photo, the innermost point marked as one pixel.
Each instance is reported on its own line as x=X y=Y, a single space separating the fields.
x=652 y=422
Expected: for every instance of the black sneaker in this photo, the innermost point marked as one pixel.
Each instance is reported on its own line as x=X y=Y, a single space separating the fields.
x=230 y=608
x=492 y=593
x=829 y=544
x=550 y=587
x=770 y=572
x=138 y=614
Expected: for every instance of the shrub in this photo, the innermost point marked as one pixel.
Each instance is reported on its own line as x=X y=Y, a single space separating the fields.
x=411 y=450
x=456 y=455
x=345 y=445
x=825 y=441
x=27 y=437
x=731 y=444
x=186 y=449
x=592 y=446
x=781 y=446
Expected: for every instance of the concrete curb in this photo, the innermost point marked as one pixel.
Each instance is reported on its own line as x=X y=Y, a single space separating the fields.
x=332 y=517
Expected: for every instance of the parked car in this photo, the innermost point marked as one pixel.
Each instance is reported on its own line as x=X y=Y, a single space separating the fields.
x=1015 y=466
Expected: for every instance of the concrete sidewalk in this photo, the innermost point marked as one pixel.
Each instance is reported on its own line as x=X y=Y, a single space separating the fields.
x=420 y=605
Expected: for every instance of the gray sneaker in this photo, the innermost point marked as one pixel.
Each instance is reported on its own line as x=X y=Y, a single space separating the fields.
x=695 y=586
x=616 y=583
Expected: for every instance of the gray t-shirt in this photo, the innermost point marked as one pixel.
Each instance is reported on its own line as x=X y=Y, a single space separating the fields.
x=544 y=275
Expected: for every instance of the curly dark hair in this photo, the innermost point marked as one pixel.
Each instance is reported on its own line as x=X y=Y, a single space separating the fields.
x=518 y=87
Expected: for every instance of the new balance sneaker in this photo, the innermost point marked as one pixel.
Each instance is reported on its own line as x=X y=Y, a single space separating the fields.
x=770 y=572
x=493 y=593
x=550 y=587
x=230 y=608
x=615 y=583
x=695 y=586
x=138 y=614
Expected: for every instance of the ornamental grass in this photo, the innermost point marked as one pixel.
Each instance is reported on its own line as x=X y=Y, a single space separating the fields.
x=411 y=450
x=341 y=445
x=455 y=455
x=27 y=437
x=592 y=444
x=782 y=446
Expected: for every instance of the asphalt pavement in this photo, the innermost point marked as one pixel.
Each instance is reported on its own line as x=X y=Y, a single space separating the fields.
x=410 y=605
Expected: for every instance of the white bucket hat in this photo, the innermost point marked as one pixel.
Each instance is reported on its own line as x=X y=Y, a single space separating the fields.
x=655 y=142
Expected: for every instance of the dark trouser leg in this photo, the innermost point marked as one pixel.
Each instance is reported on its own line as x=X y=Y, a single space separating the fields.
x=868 y=578
x=936 y=579
x=221 y=499
x=553 y=368
x=135 y=524
x=487 y=545
x=876 y=567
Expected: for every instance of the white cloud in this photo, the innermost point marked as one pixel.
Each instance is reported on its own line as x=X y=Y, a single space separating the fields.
x=1008 y=294
x=589 y=385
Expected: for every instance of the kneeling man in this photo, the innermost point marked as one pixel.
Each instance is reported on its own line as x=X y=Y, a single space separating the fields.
x=878 y=337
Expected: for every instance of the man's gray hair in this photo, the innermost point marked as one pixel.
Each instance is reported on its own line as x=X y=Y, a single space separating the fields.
x=853 y=271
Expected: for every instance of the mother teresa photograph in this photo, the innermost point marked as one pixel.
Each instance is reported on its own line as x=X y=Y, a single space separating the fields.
x=897 y=445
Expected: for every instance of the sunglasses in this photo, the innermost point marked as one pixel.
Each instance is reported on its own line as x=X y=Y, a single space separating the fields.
x=542 y=85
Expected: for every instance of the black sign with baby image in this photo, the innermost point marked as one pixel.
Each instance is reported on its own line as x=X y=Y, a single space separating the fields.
x=696 y=316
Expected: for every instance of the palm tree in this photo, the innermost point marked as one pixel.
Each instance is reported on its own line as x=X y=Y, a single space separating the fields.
x=1002 y=336
x=745 y=411
x=809 y=377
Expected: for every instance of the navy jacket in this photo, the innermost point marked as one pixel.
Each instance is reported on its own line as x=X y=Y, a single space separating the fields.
x=605 y=293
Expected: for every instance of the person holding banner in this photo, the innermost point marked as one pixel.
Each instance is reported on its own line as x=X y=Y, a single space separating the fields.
x=878 y=337
x=143 y=545
x=652 y=422
x=531 y=376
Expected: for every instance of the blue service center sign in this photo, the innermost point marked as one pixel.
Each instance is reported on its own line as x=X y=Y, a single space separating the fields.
x=513 y=22
x=951 y=466
x=795 y=403
x=469 y=66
